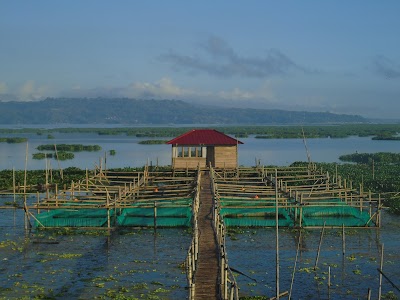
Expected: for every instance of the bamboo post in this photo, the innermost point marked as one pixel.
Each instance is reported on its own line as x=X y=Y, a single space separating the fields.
x=343 y=241
x=46 y=173
x=277 y=234
x=105 y=161
x=38 y=202
x=155 y=215
x=295 y=264
x=222 y=272
x=336 y=173
x=369 y=294
x=87 y=179
x=380 y=274
x=15 y=200
x=329 y=277
x=108 y=209
x=50 y=172
x=25 y=182
x=301 y=211
x=72 y=192
x=56 y=194
x=58 y=161
x=379 y=215
x=319 y=246
x=295 y=208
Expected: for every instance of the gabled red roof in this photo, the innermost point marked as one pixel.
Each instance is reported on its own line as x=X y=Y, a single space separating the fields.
x=204 y=137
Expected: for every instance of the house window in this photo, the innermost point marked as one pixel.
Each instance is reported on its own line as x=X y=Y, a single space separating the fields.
x=196 y=152
x=185 y=151
x=180 y=151
x=192 y=151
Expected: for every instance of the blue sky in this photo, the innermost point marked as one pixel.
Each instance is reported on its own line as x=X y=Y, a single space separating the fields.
x=337 y=56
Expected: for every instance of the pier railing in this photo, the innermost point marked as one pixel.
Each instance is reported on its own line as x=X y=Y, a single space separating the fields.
x=228 y=286
x=193 y=252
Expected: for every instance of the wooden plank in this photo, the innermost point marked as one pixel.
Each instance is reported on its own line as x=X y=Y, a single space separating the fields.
x=206 y=277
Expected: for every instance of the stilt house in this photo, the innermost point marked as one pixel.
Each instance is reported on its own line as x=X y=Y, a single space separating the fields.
x=202 y=147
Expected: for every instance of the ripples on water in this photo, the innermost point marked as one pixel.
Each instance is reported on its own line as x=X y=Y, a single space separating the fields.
x=141 y=263
x=351 y=274
x=130 y=262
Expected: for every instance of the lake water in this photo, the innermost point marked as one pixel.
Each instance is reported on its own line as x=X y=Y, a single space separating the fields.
x=131 y=154
x=147 y=264
x=253 y=253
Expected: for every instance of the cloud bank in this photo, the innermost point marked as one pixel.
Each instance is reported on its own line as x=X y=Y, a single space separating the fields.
x=385 y=67
x=221 y=60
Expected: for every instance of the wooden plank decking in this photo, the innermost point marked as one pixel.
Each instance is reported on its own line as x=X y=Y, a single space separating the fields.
x=206 y=277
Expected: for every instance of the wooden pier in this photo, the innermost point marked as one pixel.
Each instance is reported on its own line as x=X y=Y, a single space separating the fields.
x=206 y=277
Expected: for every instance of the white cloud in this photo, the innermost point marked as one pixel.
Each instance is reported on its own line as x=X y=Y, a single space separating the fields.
x=164 y=88
x=29 y=91
x=3 y=88
x=236 y=93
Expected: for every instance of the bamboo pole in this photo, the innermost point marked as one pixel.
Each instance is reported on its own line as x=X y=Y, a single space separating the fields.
x=87 y=179
x=379 y=215
x=25 y=183
x=380 y=274
x=329 y=277
x=277 y=234
x=155 y=215
x=58 y=162
x=319 y=246
x=295 y=265
x=14 y=195
x=343 y=241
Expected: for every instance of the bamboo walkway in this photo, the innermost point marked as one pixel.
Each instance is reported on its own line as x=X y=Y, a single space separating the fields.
x=206 y=278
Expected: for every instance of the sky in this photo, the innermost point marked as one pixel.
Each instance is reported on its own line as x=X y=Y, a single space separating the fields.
x=337 y=56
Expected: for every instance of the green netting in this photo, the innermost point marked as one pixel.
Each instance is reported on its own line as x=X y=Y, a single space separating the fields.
x=250 y=202
x=174 y=213
x=166 y=216
x=334 y=216
x=249 y=217
x=73 y=218
x=261 y=212
x=257 y=222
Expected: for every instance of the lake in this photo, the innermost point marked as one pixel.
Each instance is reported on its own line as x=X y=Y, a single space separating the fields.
x=148 y=265
x=129 y=153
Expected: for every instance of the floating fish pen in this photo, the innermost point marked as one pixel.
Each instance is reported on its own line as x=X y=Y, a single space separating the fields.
x=120 y=199
x=300 y=197
x=295 y=196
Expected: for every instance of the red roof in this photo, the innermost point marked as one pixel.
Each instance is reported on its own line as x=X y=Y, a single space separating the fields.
x=204 y=137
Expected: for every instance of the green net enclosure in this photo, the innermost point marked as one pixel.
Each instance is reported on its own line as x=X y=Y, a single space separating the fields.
x=73 y=218
x=253 y=213
x=331 y=212
x=176 y=213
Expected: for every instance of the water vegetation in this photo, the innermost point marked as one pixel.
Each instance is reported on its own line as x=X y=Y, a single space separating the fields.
x=42 y=155
x=68 y=147
x=13 y=140
x=152 y=142
x=62 y=155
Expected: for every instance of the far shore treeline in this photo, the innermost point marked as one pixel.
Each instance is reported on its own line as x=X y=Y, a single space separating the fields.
x=376 y=131
x=158 y=112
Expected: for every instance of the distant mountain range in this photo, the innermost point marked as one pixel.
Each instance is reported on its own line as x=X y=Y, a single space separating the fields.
x=158 y=112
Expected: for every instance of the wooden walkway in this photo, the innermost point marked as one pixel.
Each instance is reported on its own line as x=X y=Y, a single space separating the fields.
x=206 y=277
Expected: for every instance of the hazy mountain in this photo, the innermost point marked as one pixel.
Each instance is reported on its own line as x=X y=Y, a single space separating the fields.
x=134 y=111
